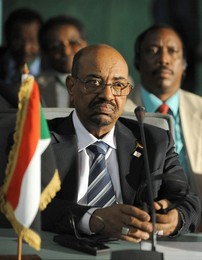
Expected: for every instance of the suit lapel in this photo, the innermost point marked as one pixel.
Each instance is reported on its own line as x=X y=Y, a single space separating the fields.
x=64 y=143
x=129 y=165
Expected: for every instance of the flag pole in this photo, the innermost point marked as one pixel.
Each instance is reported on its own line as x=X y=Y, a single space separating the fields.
x=29 y=113
x=19 y=247
x=25 y=72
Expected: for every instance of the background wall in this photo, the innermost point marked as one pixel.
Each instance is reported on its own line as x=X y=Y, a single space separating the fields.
x=114 y=22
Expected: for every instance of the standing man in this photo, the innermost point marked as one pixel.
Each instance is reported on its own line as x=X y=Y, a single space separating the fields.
x=161 y=62
x=101 y=163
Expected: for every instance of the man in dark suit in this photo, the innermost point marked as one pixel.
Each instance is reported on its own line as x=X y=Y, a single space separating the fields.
x=8 y=95
x=98 y=87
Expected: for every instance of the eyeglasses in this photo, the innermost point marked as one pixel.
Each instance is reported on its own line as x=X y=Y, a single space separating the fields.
x=120 y=87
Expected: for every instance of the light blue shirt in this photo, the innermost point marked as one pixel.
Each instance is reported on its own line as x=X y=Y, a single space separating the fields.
x=151 y=104
x=34 y=68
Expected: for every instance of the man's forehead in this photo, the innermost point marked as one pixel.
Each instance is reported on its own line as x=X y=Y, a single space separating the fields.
x=104 y=66
x=165 y=34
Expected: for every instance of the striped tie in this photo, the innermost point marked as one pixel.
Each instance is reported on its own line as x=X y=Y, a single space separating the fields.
x=100 y=190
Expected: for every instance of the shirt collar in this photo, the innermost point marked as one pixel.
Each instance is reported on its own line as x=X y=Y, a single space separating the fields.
x=85 y=138
x=151 y=102
x=61 y=78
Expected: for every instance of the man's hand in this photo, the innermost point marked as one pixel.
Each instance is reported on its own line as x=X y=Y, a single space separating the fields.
x=166 y=224
x=118 y=216
x=115 y=217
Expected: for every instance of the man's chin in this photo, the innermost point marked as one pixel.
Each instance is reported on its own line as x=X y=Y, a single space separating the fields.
x=102 y=119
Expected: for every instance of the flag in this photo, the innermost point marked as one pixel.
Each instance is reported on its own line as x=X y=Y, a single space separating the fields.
x=31 y=179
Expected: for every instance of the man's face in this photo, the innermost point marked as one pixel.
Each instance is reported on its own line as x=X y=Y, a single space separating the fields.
x=99 y=111
x=24 y=43
x=64 y=42
x=161 y=63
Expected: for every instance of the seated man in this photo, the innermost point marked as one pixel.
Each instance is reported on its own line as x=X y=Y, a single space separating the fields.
x=101 y=162
x=21 y=34
x=60 y=38
x=160 y=58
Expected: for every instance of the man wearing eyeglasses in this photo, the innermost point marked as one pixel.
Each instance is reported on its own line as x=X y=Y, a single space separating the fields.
x=101 y=163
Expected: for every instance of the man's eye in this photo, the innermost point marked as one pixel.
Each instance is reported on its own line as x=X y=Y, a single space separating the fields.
x=172 y=51
x=119 y=84
x=93 y=82
x=152 y=50
x=75 y=42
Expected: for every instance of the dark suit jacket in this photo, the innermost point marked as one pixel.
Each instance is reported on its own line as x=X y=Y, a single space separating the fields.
x=162 y=160
x=8 y=95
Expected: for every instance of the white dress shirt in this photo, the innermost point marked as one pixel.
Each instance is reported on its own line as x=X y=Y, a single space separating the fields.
x=84 y=139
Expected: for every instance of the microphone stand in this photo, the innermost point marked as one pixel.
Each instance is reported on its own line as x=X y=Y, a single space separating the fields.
x=140 y=113
x=143 y=254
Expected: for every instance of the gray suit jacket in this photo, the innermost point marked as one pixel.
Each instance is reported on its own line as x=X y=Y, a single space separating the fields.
x=48 y=83
x=191 y=121
x=162 y=158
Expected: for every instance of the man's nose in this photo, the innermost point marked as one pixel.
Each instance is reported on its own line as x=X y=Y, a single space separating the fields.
x=163 y=57
x=26 y=47
x=107 y=92
x=67 y=48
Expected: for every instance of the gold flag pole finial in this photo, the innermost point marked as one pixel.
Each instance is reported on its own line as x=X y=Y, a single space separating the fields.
x=25 y=73
x=25 y=69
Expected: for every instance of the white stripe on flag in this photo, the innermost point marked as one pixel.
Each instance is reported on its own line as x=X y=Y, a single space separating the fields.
x=30 y=194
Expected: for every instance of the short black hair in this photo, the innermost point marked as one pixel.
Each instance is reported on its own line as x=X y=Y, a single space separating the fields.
x=20 y=16
x=141 y=37
x=57 y=21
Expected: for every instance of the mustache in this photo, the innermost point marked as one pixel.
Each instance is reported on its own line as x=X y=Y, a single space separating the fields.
x=97 y=103
x=159 y=69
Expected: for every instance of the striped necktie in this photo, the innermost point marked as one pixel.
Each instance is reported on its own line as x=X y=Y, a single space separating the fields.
x=163 y=109
x=100 y=190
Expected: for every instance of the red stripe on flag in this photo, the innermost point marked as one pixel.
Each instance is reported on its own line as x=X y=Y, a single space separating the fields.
x=29 y=141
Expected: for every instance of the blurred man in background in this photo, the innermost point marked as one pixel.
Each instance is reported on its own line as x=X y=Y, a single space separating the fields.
x=21 y=45
x=60 y=38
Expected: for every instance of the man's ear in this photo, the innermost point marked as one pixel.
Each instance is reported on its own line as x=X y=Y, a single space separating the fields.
x=70 y=87
x=70 y=84
x=184 y=64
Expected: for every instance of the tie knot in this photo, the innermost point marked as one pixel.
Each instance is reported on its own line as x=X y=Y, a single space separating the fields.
x=99 y=148
x=163 y=109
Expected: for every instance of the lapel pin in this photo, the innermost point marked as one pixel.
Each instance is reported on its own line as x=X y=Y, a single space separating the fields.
x=138 y=150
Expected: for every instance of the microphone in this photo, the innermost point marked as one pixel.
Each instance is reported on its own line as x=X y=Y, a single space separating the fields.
x=140 y=114
x=143 y=254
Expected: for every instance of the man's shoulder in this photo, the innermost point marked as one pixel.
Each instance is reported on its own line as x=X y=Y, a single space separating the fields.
x=128 y=122
x=133 y=126
x=191 y=96
x=61 y=125
x=45 y=79
x=192 y=101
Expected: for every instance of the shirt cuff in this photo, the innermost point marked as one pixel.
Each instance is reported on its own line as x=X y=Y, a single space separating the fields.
x=83 y=224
